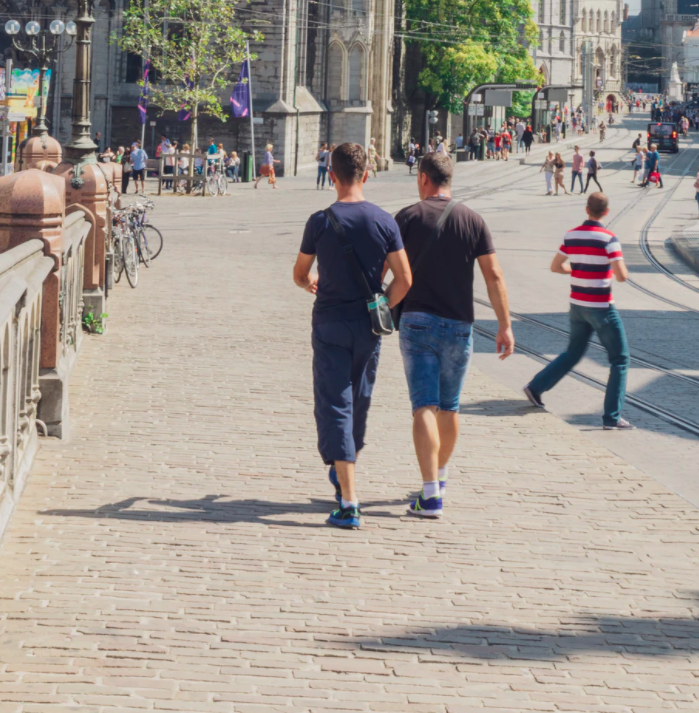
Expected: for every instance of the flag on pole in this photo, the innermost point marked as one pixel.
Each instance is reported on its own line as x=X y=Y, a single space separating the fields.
x=143 y=99
x=240 y=98
x=185 y=110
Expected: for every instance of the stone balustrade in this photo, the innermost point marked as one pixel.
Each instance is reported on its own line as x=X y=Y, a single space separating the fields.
x=23 y=270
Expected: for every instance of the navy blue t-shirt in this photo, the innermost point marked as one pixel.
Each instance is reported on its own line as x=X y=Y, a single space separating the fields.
x=373 y=234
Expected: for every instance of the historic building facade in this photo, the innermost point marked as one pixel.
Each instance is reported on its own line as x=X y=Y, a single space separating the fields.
x=554 y=55
x=324 y=73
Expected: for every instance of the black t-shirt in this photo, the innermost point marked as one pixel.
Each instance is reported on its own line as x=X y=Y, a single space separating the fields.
x=373 y=234
x=443 y=285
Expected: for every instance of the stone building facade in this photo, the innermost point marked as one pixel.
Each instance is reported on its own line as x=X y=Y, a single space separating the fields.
x=554 y=55
x=324 y=73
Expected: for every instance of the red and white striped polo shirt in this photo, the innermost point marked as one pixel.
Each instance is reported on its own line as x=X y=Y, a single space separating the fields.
x=591 y=249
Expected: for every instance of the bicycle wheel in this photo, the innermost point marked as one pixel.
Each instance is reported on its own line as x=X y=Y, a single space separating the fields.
x=212 y=185
x=222 y=185
x=118 y=259
x=155 y=240
x=143 y=251
x=131 y=261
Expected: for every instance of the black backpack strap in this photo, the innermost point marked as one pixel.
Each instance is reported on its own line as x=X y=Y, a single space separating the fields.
x=348 y=250
x=434 y=236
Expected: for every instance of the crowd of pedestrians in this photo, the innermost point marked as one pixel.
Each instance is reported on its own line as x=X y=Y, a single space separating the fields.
x=431 y=248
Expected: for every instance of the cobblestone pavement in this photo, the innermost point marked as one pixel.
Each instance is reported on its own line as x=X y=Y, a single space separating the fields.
x=173 y=555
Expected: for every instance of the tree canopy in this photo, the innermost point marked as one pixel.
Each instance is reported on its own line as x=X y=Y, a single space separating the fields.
x=467 y=42
x=193 y=47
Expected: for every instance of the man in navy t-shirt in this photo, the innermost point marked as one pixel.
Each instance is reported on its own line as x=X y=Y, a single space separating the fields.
x=345 y=350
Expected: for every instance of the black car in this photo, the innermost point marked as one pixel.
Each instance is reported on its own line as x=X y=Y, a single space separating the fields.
x=664 y=134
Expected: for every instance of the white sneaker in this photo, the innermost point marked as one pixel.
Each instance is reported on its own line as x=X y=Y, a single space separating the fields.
x=621 y=425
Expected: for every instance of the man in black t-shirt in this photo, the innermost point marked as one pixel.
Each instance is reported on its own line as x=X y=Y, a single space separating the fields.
x=437 y=320
x=345 y=349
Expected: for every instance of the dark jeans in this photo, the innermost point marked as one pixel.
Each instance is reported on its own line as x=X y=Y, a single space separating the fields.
x=606 y=322
x=322 y=172
x=576 y=174
x=591 y=177
x=168 y=171
x=345 y=359
x=473 y=152
x=125 y=181
x=232 y=173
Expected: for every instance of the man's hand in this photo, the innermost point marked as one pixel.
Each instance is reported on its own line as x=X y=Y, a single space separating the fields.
x=312 y=286
x=504 y=342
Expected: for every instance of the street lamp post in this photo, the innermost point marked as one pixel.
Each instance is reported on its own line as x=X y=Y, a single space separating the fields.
x=43 y=45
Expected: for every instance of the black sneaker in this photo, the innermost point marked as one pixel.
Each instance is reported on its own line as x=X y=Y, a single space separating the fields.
x=534 y=399
x=621 y=425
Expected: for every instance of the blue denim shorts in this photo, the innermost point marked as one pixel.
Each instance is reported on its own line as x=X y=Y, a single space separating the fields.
x=436 y=353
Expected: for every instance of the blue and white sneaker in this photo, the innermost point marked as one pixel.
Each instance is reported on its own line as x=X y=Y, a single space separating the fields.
x=426 y=507
x=332 y=477
x=346 y=518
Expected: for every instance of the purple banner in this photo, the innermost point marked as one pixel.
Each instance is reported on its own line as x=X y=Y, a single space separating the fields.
x=240 y=98
x=143 y=99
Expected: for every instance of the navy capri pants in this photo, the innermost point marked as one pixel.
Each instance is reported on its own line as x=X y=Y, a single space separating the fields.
x=345 y=360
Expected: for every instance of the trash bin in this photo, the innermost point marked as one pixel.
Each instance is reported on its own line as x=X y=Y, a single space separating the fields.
x=246 y=168
x=481 y=152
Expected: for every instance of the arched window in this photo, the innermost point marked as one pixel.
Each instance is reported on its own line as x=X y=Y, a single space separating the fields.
x=599 y=22
x=583 y=22
x=358 y=8
x=541 y=10
x=562 y=43
x=613 y=62
x=356 y=68
x=612 y=27
x=606 y=21
x=563 y=12
x=336 y=71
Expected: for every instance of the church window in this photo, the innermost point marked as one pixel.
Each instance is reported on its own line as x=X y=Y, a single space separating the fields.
x=356 y=67
x=563 y=12
x=336 y=67
x=562 y=43
x=583 y=22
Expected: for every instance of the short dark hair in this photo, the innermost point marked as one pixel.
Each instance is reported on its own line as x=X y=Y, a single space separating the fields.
x=597 y=204
x=349 y=163
x=438 y=168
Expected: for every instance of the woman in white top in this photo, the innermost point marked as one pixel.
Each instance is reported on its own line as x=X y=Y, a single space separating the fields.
x=182 y=166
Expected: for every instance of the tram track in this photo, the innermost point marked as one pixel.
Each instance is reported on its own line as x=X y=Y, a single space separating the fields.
x=652 y=409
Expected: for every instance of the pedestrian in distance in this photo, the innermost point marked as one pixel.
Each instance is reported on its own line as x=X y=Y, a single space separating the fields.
x=559 y=173
x=233 y=167
x=519 y=131
x=595 y=258
x=498 y=145
x=528 y=139
x=138 y=161
x=474 y=145
x=653 y=168
x=331 y=185
x=490 y=145
x=351 y=241
x=637 y=143
x=593 y=167
x=169 y=162
x=267 y=167
x=602 y=131
x=126 y=170
x=506 y=145
x=577 y=170
x=411 y=157
x=548 y=168
x=373 y=158
x=443 y=239
x=118 y=158
x=696 y=188
x=637 y=163
x=459 y=143
x=322 y=159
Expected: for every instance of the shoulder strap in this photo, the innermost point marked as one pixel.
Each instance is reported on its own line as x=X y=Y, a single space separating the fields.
x=348 y=250
x=434 y=236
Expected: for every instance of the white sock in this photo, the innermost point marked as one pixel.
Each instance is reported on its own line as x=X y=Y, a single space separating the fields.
x=443 y=473
x=430 y=490
x=349 y=503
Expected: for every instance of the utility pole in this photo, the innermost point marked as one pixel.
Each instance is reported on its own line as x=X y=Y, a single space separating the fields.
x=588 y=82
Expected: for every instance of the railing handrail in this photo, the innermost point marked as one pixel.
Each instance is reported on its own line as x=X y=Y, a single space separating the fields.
x=18 y=254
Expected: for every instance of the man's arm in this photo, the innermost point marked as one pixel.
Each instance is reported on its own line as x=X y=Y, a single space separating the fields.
x=497 y=293
x=402 y=277
x=621 y=272
x=560 y=265
x=302 y=273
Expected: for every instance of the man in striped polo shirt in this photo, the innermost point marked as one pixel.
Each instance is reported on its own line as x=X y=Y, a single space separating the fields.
x=595 y=257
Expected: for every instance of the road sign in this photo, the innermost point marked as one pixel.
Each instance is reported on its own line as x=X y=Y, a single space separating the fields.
x=476 y=111
x=498 y=97
x=541 y=104
x=152 y=123
x=14 y=116
x=476 y=98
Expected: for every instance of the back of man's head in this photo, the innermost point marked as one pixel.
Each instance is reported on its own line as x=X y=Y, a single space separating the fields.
x=438 y=168
x=349 y=163
x=597 y=205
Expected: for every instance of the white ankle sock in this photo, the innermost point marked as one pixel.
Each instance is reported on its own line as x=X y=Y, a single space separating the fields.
x=430 y=490
x=443 y=473
x=349 y=503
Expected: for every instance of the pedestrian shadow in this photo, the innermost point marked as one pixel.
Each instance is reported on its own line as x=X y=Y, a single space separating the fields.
x=664 y=636
x=497 y=408
x=212 y=508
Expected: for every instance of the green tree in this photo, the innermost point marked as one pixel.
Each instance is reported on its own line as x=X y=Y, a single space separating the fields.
x=465 y=43
x=193 y=47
